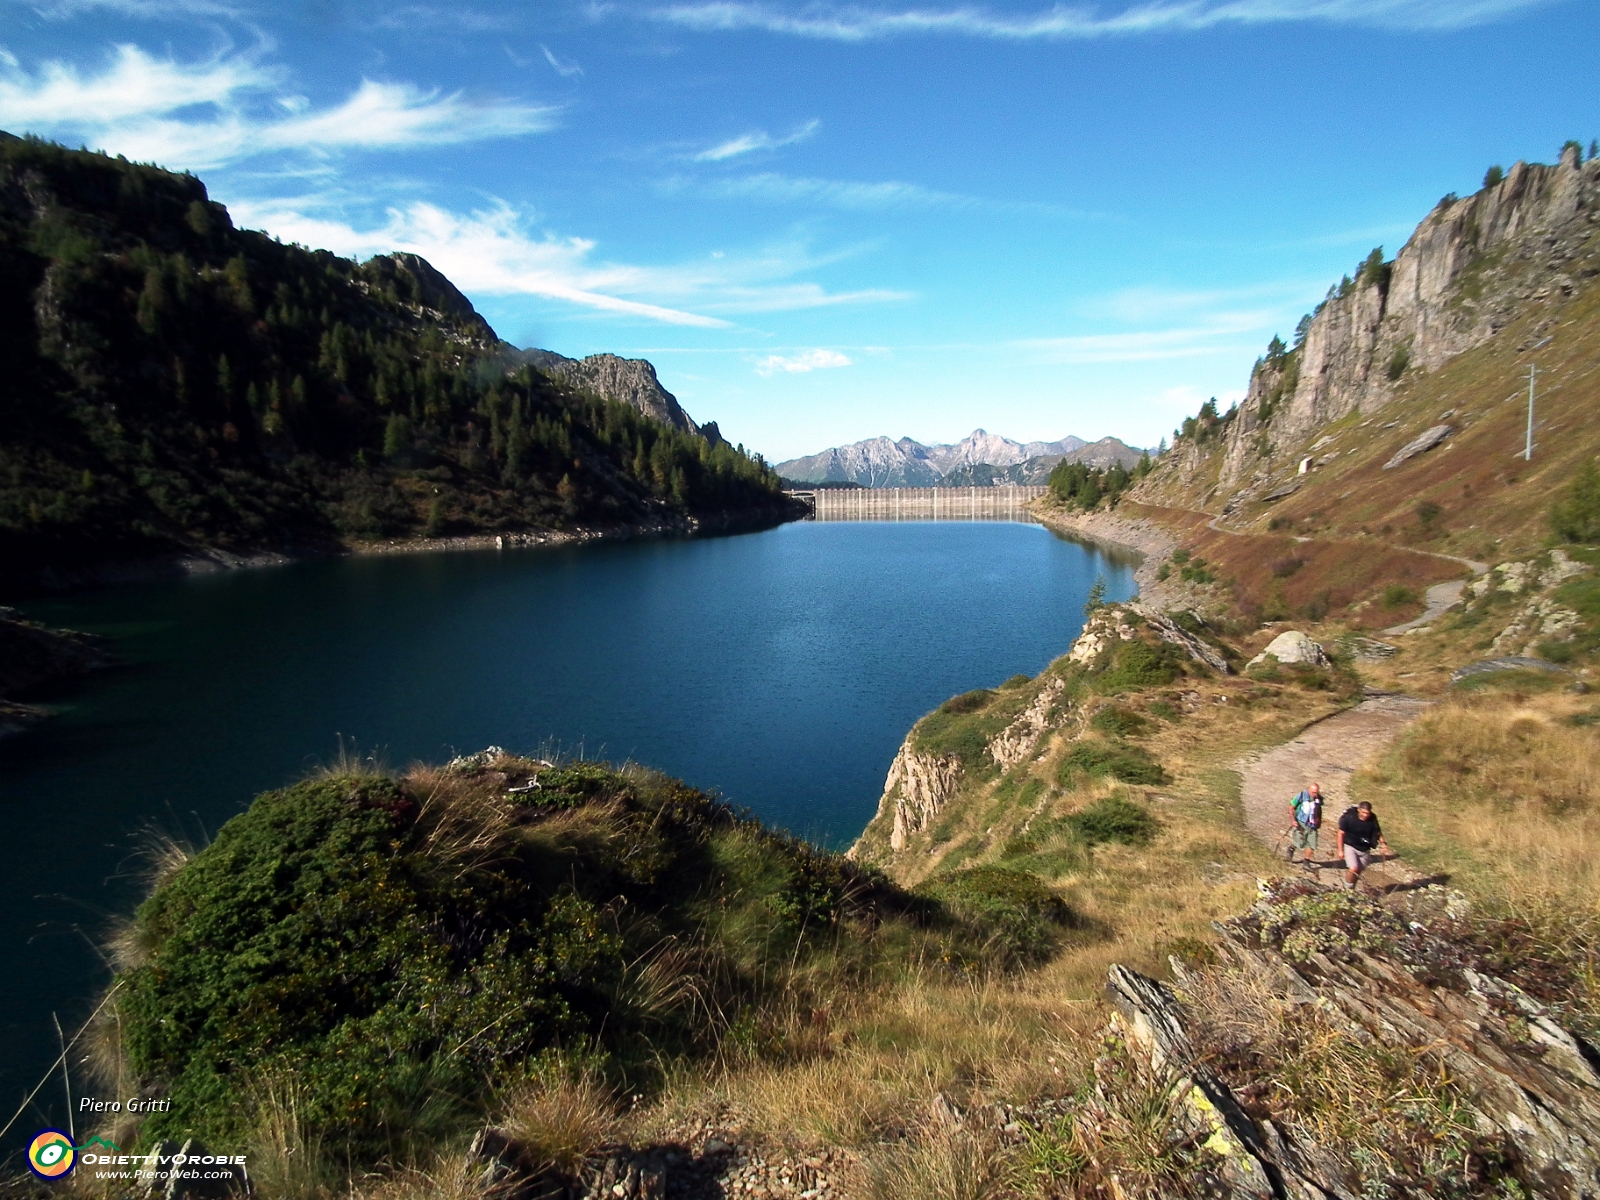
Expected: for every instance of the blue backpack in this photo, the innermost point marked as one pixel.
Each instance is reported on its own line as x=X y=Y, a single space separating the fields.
x=1308 y=810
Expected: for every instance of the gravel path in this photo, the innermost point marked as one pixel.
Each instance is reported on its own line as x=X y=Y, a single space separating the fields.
x=1329 y=753
x=1441 y=597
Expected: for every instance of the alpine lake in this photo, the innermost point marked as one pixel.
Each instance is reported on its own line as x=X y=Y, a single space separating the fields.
x=780 y=669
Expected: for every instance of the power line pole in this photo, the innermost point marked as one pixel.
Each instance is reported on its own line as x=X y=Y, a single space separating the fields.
x=1527 y=453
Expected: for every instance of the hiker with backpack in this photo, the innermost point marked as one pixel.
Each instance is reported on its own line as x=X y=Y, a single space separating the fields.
x=1359 y=835
x=1306 y=812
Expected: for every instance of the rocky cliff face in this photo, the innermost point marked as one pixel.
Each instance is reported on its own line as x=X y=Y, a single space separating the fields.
x=1472 y=266
x=917 y=789
x=631 y=380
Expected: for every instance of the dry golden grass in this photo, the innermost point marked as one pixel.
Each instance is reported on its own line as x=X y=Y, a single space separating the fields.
x=286 y=1163
x=1500 y=791
x=940 y=1163
x=561 y=1120
x=447 y=1177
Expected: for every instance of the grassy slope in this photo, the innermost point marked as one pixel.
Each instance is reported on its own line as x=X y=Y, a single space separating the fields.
x=382 y=962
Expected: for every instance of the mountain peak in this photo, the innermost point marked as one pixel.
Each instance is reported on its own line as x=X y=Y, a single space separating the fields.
x=979 y=458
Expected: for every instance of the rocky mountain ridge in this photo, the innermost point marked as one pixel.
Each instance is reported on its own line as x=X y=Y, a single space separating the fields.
x=632 y=381
x=980 y=459
x=1512 y=251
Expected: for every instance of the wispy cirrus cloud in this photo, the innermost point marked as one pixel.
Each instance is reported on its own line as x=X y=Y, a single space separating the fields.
x=759 y=140
x=1218 y=333
x=774 y=188
x=210 y=113
x=800 y=364
x=564 y=69
x=491 y=252
x=859 y=23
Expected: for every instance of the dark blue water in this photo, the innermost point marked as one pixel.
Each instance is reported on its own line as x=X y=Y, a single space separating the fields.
x=781 y=669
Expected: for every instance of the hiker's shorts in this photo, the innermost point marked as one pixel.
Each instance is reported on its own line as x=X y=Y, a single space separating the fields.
x=1303 y=837
x=1357 y=860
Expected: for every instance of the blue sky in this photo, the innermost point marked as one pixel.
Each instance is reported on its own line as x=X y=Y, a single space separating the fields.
x=824 y=222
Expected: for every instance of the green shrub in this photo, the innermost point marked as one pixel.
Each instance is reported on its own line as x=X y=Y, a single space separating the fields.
x=968 y=702
x=1494 y=176
x=1130 y=764
x=1398 y=595
x=1119 y=722
x=1576 y=517
x=1025 y=915
x=1137 y=664
x=1398 y=362
x=1114 y=818
x=1556 y=652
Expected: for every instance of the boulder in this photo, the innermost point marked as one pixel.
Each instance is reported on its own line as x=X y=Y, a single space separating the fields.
x=1292 y=647
x=1417 y=445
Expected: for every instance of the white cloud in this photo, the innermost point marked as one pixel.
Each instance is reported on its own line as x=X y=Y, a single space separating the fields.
x=799 y=364
x=129 y=108
x=855 y=23
x=1224 y=333
x=770 y=187
x=565 y=70
x=134 y=86
x=837 y=193
x=491 y=253
x=759 y=140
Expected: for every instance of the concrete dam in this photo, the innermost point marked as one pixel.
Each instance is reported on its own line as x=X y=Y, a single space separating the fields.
x=920 y=504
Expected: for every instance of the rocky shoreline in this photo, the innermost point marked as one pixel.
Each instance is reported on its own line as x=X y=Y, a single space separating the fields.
x=34 y=656
x=206 y=561
x=1151 y=542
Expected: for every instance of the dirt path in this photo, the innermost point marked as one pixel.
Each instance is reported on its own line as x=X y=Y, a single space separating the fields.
x=1442 y=597
x=1328 y=753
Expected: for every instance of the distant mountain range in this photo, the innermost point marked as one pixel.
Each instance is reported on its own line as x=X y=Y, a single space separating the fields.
x=980 y=459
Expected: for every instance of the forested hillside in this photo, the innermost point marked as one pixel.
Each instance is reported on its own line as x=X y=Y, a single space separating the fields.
x=174 y=384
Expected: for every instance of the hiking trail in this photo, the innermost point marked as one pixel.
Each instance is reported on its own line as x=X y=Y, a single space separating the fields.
x=1327 y=752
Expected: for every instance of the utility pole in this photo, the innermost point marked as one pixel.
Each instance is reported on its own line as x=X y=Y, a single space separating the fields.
x=1533 y=373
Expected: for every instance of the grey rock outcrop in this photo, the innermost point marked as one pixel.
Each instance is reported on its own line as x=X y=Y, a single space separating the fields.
x=1292 y=648
x=630 y=380
x=1469 y=269
x=917 y=789
x=1528 y=1082
x=1017 y=740
x=416 y=281
x=1120 y=623
x=1423 y=442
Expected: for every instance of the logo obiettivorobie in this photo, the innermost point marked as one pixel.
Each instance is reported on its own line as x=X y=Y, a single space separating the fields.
x=51 y=1154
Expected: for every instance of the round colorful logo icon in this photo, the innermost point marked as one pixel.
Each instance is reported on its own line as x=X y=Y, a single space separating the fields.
x=51 y=1155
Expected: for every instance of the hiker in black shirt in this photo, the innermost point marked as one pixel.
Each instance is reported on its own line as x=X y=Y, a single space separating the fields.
x=1359 y=835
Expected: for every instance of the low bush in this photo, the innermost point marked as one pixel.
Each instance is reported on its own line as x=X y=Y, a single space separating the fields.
x=1114 y=818
x=1398 y=595
x=1026 y=918
x=968 y=702
x=1119 y=722
x=1139 y=664
x=1092 y=757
